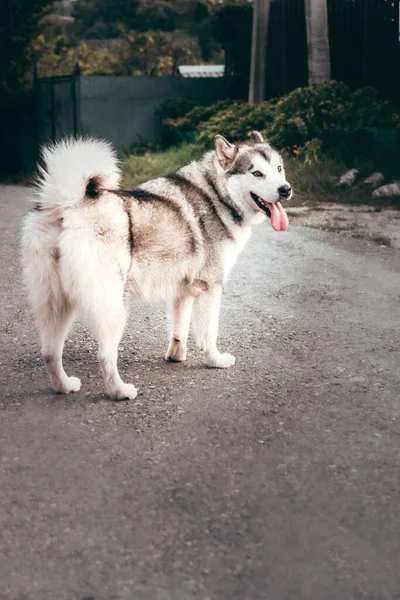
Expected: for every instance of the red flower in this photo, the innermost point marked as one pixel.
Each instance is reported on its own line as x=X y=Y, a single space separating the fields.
x=295 y=151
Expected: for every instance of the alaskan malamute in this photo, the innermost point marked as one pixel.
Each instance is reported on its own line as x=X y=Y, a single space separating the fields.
x=88 y=246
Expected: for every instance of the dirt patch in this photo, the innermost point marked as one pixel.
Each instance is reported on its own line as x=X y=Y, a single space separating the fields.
x=380 y=226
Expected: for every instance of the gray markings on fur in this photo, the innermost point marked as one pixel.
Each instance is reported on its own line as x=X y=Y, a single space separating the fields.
x=143 y=195
x=131 y=239
x=241 y=165
x=194 y=194
x=265 y=152
x=236 y=215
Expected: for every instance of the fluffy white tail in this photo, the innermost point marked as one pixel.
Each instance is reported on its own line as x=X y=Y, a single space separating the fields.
x=74 y=169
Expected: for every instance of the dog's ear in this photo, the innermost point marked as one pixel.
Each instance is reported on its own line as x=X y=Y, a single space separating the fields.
x=257 y=138
x=226 y=152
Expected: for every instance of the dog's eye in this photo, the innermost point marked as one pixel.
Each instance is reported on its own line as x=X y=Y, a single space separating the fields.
x=279 y=169
x=257 y=174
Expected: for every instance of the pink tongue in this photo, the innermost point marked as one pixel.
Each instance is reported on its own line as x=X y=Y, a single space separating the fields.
x=279 y=217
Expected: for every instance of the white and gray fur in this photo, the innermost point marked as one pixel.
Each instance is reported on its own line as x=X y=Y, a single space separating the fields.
x=88 y=246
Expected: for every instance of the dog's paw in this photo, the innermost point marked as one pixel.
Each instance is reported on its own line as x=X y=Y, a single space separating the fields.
x=177 y=352
x=126 y=391
x=220 y=361
x=68 y=385
x=74 y=384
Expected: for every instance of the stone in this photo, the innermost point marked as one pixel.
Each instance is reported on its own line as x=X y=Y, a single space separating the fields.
x=348 y=178
x=375 y=179
x=391 y=189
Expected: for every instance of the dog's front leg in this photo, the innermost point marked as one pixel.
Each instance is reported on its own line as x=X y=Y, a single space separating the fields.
x=205 y=321
x=181 y=314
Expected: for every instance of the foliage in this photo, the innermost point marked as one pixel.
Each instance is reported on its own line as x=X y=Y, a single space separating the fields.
x=173 y=108
x=155 y=53
x=19 y=21
x=56 y=57
x=149 y=53
x=185 y=127
x=237 y=121
x=321 y=119
x=105 y=19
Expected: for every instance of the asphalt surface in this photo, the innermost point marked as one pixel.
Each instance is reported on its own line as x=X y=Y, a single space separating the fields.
x=276 y=479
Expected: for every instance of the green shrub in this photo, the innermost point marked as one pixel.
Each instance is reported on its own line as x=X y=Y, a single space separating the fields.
x=185 y=128
x=324 y=119
x=237 y=121
x=173 y=108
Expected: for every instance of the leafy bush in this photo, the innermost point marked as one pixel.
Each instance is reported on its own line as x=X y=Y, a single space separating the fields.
x=171 y=110
x=174 y=108
x=322 y=119
x=185 y=127
x=237 y=121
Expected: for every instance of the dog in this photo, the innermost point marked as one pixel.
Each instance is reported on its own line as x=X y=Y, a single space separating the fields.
x=88 y=246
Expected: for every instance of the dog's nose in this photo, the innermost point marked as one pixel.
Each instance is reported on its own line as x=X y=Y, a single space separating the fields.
x=285 y=191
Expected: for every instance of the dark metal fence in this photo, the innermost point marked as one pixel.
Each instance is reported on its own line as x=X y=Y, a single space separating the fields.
x=364 y=44
x=287 y=48
x=363 y=39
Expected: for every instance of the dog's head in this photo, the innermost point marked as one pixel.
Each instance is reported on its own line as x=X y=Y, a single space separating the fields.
x=255 y=173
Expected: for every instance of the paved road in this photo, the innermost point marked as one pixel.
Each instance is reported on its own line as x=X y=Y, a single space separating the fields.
x=277 y=479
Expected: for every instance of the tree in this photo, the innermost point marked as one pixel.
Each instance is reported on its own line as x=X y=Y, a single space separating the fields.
x=139 y=15
x=319 y=65
x=151 y=53
x=103 y=18
x=19 y=21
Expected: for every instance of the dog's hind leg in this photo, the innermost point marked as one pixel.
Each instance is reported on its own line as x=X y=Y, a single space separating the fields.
x=205 y=322
x=97 y=285
x=107 y=325
x=54 y=319
x=182 y=312
x=53 y=311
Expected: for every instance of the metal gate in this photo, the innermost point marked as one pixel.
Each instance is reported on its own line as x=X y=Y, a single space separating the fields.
x=58 y=107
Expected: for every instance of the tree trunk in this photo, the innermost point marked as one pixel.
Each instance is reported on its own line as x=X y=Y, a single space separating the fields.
x=319 y=64
x=258 y=51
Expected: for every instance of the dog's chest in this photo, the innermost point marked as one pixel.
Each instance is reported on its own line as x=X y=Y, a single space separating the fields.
x=232 y=248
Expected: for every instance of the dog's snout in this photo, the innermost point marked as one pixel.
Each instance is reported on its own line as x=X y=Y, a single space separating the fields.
x=285 y=191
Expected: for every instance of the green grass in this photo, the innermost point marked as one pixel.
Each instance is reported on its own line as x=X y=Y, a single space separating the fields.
x=139 y=168
x=312 y=184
